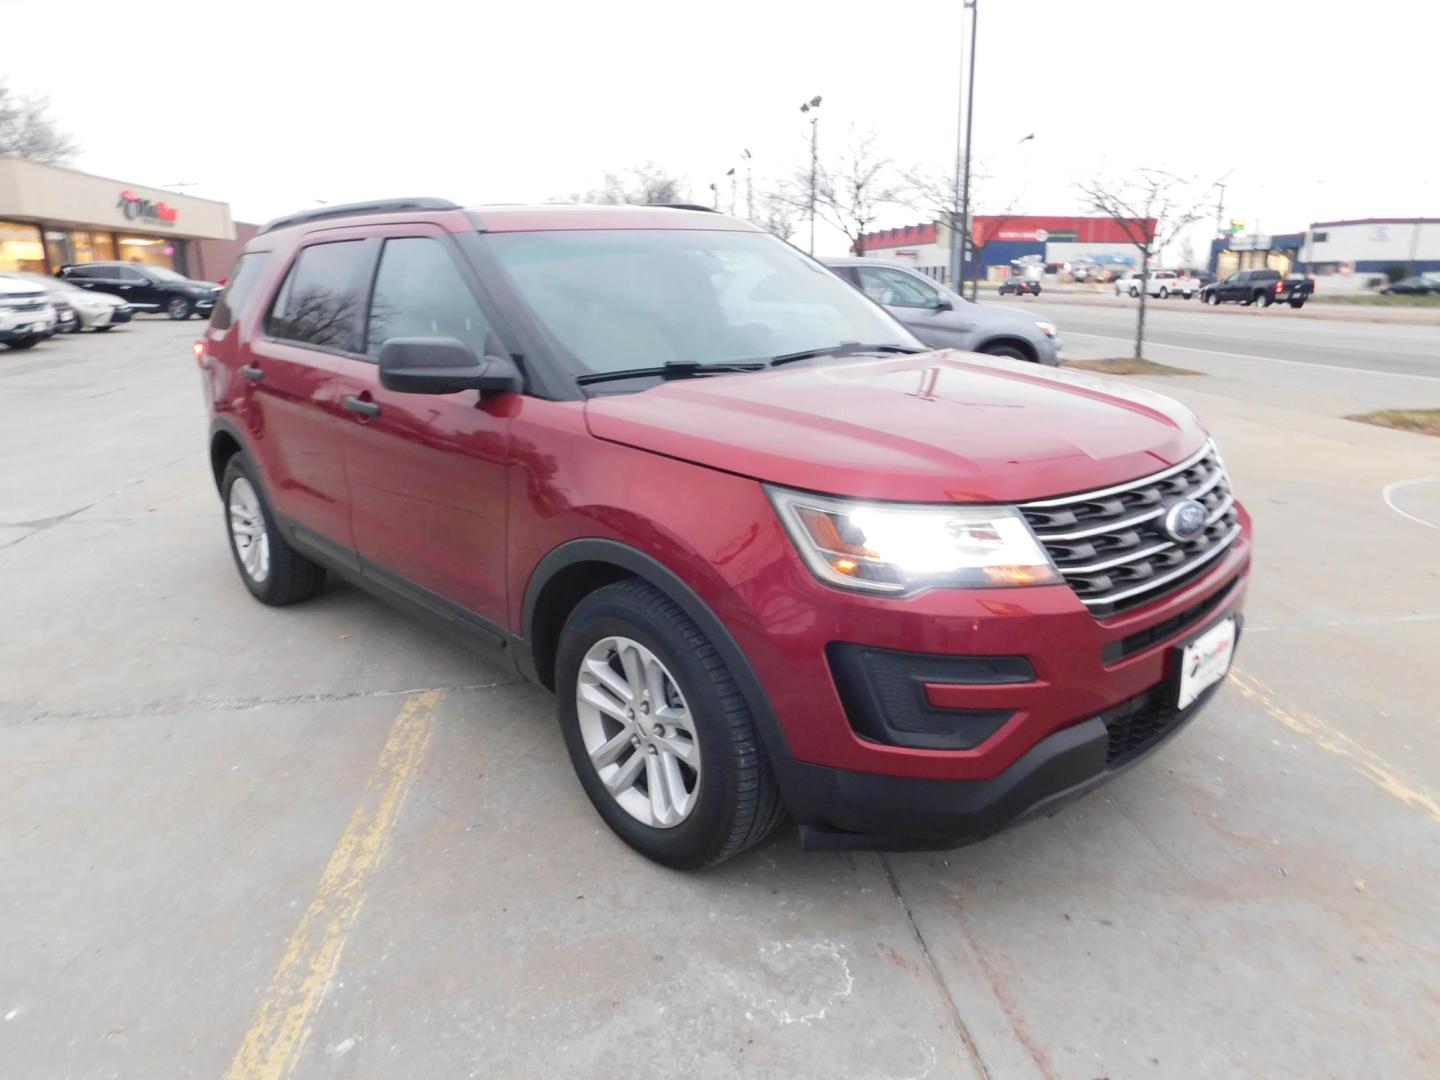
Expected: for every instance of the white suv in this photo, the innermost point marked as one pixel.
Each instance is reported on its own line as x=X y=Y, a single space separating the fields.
x=26 y=316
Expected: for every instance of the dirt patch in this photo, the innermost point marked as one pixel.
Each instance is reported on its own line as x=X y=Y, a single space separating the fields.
x=1127 y=366
x=1422 y=421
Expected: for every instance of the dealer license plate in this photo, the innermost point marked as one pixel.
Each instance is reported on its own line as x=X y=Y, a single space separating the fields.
x=1205 y=661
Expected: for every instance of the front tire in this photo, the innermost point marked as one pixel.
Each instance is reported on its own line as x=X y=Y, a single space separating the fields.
x=273 y=571
x=22 y=343
x=1013 y=352
x=659 y=734
x=103 y=329
x=1134 y=293
x=1213 y=299
x=178 y=308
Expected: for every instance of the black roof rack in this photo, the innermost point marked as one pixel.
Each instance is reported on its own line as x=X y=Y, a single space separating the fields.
x=381 y=206
x=686 y=206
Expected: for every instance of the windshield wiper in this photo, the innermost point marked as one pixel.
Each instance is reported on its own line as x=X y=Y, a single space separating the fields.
x=672 y=369
x=844 y=348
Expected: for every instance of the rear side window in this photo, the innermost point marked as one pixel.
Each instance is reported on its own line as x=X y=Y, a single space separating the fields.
x=320 y=302
x=238 y=287
x=81 y=273
x=420 y=293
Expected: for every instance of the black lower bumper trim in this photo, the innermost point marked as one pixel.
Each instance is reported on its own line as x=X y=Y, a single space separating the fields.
x=847 y=810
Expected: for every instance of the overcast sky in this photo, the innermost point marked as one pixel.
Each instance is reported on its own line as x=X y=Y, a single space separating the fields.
x=1313 y=110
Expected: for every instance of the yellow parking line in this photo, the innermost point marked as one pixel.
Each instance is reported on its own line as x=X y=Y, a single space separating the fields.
x=1364 y=761
x=275 y=1040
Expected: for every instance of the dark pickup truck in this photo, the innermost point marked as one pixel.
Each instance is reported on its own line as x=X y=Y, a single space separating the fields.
x=1259 y=287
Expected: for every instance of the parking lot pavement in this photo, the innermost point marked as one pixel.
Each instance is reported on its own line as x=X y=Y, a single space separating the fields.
x=322 y=841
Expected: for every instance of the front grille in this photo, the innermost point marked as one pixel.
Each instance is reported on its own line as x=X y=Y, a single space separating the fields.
x=35 y=305
x=1136 y=724
x=1111 y=546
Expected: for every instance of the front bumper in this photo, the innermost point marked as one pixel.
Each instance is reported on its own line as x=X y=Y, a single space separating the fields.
x=10 y=330
x=842 y=809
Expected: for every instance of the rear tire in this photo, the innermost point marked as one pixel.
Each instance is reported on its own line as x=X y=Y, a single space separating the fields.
x=1262 y=299
x=273 y=571
x=1134 y=293
x=103 y=329
x=731 y=800
x=1297 y=304
x=1164 y=293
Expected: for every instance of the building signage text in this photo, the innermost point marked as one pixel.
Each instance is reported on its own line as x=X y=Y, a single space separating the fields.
x=137 y=209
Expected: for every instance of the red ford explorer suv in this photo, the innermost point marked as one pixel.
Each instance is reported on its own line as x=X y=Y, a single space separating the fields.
x=771 y=555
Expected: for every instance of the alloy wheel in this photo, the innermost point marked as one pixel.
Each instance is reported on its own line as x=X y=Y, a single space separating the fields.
x=638 y=732
x=248 y=532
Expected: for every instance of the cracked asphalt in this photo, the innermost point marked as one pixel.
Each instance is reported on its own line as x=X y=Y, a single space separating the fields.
x=323 y=841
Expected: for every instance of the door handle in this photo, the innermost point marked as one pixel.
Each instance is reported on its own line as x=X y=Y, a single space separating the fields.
x=251 y=372
x=361 y=406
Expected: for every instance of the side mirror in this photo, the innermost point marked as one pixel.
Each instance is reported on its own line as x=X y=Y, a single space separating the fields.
x=944 y=304
x=443 y=366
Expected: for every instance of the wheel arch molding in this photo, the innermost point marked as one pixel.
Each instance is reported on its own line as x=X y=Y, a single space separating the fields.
x=611 y=560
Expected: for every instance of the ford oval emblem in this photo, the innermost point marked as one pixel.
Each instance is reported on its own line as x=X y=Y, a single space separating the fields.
x=1185 y=520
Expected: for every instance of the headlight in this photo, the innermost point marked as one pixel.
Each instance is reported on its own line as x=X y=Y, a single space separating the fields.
x=1046 y=328
x=894 y=548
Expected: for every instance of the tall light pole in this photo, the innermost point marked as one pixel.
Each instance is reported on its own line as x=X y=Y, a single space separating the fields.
x=813 y=106
x=733 y=182
x=749 y=186
x=972 y=5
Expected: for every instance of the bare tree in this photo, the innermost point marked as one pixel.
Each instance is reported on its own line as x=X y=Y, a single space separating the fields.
x=1151 y=208
x=1187 y=254
x=779 y=212
x=646 y=184
x=27 y=131
x=933 y=194
x=851 y=188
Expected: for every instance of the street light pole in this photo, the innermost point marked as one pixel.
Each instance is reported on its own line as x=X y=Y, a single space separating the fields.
x=973 y=5
x=813 y=106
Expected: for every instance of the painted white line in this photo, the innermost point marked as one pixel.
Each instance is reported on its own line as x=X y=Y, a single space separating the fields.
x=1389 y=496
x=1250 y=356
x=1352 y=620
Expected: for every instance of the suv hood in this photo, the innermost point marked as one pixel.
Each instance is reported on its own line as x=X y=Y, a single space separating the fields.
x=934 y=427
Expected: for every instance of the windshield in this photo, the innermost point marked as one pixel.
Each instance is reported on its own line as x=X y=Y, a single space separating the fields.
x=165 y=274
x=617 y=299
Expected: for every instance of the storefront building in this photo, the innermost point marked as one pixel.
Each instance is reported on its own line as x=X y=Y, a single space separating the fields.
x=50 y=217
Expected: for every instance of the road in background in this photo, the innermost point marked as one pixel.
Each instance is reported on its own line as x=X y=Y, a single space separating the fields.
x=324 y=839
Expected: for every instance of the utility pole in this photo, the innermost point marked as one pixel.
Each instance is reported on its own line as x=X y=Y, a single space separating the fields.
x=731 y=175
x=973 y=5
x=813 y=106
x=1220 y=211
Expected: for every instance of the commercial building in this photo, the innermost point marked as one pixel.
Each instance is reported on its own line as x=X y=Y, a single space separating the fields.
x=1000 y=239
x=52 y=216
x=1355 y=246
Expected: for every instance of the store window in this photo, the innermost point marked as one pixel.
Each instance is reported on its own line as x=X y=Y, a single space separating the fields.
x=87 y=246
x=150 y=250
x=57 y=250
x=21 y=248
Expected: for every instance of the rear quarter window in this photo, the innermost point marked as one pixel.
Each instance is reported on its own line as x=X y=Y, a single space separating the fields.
x=320 y=302
x=238 y=287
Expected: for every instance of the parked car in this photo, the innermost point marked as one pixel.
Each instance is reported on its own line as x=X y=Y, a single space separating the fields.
x=1259 y=287
x=770 y=554
x=1161 y=284
x=1202 y=278
x=144 y=287
x=92 y=310
x=943 y=319
x=26 y=314
x=1419 y=285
